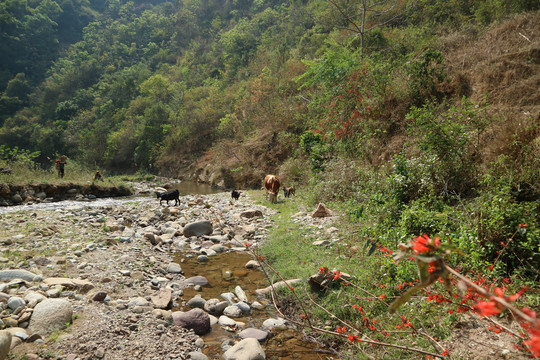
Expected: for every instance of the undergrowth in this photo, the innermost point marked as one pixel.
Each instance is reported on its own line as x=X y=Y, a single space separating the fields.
x=494 y=240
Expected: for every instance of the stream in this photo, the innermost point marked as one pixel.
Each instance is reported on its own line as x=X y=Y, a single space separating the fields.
x=224 y=271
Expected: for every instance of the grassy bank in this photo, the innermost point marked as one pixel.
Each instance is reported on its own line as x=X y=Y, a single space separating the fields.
x=363 y=279
x=20 y=168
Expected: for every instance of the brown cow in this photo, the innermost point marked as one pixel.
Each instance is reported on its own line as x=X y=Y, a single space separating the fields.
x=271 y=185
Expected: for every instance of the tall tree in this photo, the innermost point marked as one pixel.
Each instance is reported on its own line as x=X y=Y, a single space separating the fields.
x=364 y=16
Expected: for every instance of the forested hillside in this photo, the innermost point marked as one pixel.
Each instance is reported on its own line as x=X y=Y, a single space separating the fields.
x=408 y=117
x=156 y=85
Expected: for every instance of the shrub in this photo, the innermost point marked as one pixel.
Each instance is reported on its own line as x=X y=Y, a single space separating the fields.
x=312 y=143
x=425 y=216
x=294 y=171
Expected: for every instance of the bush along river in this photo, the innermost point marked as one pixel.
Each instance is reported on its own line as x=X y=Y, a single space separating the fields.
x=133 y=279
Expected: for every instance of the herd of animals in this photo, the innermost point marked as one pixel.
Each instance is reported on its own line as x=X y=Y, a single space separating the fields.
x=271 y=186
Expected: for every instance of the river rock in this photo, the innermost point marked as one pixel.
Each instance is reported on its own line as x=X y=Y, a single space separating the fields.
x=50 y=315
x=218 y=238
x=251 y=213
x=6 y=275
x=252 y=264
x=197 y=280
x=247 y=349
x=226 y=321
x=197 y=302
x=99 y=296
x=83 y=285
x=151 y=238
x=198 y=228
x=260 y=335
x=34 y=298
x=138 y=301
x=244 y=307
x=219 y=248
x=214 y=306
x=5 y=343
x=195 y=319
x=162 y=299
x=257 y=305
x=196 y=355
x=232 y=311
x=174 y=268
x=208 y=252
x=276 y=324
x=15 y=302
x=278 y=285
x=240 y=294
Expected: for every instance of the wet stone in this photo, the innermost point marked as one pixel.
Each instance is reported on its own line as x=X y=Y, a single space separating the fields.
x=197 y=302
x=197 y=280
x=260 y=335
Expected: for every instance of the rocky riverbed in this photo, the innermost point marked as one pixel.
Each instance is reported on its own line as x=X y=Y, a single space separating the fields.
x=109 y=273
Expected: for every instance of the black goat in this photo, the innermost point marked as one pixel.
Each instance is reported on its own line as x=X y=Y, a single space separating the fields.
x=169 y=195
x=235 y=194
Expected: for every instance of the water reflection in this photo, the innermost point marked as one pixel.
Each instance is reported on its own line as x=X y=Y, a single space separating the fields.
x=186 y=187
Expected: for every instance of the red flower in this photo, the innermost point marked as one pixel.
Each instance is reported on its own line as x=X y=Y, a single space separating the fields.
x=323 y=270
x=383 y=296
x=445 y=352
x=340 y=330
x=523 y=225
x=337 y=274
x=487 y=308
x=533 y=344
x=423 y=244
x=516 y=296
x=419 y=245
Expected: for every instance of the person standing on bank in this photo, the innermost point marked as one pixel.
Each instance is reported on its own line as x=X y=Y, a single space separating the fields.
x=60 y=165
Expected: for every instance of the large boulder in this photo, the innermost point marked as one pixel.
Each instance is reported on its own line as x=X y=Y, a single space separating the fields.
x=322 y=211
x=195 y=319
x=198 y=228
x=50 y=315
x=252 y=333
x=197 y=280
x=5 y=343
x=6 y=275
x=247 y=349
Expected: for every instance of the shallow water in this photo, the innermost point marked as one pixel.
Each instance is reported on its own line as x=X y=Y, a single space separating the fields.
x=184 y=187
x=190 y=188
x=67 y=204
x=226 y=271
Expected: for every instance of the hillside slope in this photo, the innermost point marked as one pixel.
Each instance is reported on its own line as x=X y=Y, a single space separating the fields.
x=498 y=70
